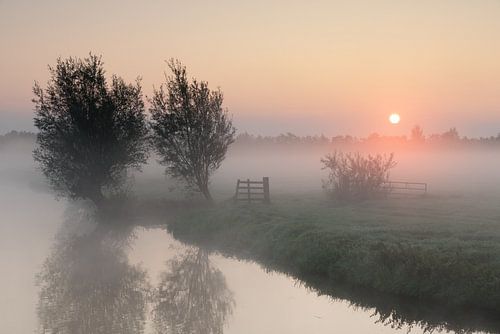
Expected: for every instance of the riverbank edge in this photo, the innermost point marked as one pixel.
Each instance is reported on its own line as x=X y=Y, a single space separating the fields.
x=450 y=278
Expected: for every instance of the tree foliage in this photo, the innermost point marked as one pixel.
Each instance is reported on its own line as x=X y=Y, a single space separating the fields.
x=451 y=135
x=355 y=177
x=90 y=131
x=192 y=297
x=192 y=131
x=417 y=134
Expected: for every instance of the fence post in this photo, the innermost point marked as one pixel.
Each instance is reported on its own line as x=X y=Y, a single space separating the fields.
x=265 y=182
x=248 y=190
x=237 y=190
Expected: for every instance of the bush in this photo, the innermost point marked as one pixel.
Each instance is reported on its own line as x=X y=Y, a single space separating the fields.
x=354 y=177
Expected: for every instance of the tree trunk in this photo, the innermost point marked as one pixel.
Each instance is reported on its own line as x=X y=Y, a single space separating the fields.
x=96 y=196
x=206 y=193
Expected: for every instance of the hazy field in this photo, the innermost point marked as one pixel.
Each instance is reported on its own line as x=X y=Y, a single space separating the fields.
x=464 y=186
x=470 y=174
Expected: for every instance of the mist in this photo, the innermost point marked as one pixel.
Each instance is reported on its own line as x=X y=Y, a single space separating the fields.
x=36 y=227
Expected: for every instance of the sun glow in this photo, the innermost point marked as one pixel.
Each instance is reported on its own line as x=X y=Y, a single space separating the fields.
x=394 y=118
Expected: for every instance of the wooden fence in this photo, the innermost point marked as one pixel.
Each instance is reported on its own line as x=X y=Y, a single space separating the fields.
x=405 y=188
x=252 y=191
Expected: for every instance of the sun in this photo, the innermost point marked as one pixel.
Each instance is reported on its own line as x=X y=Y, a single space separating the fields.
x=394 y=118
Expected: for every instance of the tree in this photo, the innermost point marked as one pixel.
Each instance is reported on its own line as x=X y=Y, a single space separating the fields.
x=192 y=131
x=89 y=132
x=417 y=134
x=355 y=177
x=451 y=135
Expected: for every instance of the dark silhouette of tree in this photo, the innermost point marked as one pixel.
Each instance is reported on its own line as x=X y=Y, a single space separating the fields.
x=192 y=297
x=417 y=134
x=353 y=177
x=192 y=131
x=87 y=286
x=89 y=132
x=374 y=137
x=451 y=135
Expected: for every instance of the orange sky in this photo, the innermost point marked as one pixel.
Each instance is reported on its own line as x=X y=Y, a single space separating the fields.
x=332 y=67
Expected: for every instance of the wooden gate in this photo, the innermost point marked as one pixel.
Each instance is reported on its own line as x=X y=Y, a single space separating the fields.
x=252 y=191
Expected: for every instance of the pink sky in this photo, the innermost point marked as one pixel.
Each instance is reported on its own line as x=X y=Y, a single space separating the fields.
x=332 y=67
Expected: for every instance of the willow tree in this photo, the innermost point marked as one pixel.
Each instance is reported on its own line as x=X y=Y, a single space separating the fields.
x=90 y=132
x=191 y=129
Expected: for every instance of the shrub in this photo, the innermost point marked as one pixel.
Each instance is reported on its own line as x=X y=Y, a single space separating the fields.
x=354 y=177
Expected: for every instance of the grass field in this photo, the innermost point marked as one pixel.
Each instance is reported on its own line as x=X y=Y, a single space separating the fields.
x=443 y=250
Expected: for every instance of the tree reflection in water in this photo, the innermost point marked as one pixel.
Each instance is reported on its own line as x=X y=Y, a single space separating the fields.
x=192 y=296
x=88 y=286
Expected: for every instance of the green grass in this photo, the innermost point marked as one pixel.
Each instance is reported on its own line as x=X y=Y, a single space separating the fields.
x=441 y=250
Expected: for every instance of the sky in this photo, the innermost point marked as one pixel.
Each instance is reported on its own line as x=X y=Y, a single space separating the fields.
x=308 y=67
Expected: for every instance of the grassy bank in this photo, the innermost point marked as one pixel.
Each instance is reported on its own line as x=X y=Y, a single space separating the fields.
x=439 y=250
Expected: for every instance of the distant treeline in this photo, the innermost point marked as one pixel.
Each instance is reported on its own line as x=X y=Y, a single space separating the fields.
x=448 y=138
x=417 y=137
x=17 y=136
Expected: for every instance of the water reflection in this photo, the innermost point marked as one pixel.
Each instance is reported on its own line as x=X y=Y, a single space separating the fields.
x=192 y=296
x=88 y=286
x=407 y=313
